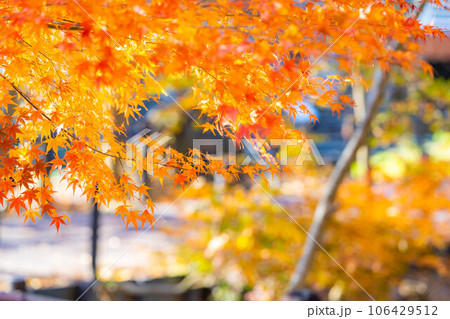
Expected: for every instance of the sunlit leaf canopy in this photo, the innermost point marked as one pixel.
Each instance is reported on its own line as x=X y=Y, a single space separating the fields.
x=77 y=64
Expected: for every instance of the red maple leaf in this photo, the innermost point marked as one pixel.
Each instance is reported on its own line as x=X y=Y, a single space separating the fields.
x=17 y=202
x=57 y=220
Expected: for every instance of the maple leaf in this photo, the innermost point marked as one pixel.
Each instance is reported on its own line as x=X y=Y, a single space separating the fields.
x=13 y=130
x=7 y=185
x=122 y=210
x=57 y=220
x=30 y=195
x=143 y=190
x=55 y=143
x=57 y=163
x=35 y=152
x=48 y=209
x=274 y=171
x=208 y=127
x=160 y=173
x=46 y=194
x=16 y=203
x=133 y=217
x=313 y=118
x=150 y=204
x=26 y=178
x=288 y=170
x=125 y=179
x=2 y=197
x=36 y=115
x=337 y=107
x=40 y=167
x=146 y=216
x=346 y=99
x=179 y=179
x=249 y=170
x=31 y=213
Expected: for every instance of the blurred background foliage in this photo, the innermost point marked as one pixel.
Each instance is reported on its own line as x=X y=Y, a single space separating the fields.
x=391 y=230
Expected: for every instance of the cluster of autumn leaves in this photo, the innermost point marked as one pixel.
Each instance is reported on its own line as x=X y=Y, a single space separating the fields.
x=77 y=65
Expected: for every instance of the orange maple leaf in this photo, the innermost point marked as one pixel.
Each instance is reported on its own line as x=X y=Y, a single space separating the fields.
x=146 y=216
x=31 y=213
x=122 y=210
x=133 y=217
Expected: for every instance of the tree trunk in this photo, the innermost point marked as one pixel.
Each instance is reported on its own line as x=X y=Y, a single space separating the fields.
x=360 y=112
x=94 y=239
x=325 y=207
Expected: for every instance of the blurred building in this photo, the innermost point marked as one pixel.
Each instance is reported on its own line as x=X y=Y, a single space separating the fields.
x=437 y=51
